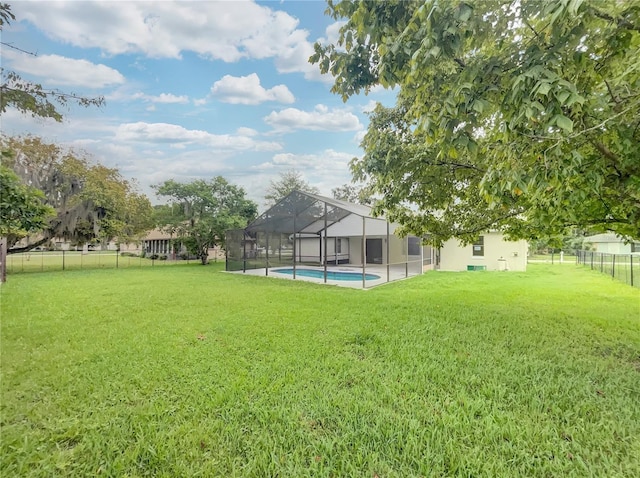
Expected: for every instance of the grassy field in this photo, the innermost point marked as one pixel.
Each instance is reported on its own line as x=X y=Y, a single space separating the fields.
x=47 y=261
x=188 y=371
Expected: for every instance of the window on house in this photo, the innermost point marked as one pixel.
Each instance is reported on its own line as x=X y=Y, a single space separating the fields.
x=414 y=246
x=338 y=246
x=478 y=247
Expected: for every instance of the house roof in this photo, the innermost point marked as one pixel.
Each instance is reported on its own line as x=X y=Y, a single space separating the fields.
x=606 y=237
x=302 y=212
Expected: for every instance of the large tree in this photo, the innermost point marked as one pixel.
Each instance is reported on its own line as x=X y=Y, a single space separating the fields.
x=91 y=202
x=352 y=193
x=288 y=181
x=22 y=212
x=22 y=207
x=520 y=115
x=200 y=212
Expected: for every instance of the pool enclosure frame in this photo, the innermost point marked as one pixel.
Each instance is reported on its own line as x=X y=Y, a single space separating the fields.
x=303 y=221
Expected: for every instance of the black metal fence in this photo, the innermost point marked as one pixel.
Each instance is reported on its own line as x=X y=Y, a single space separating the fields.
x=41 y=261
x=623 y=267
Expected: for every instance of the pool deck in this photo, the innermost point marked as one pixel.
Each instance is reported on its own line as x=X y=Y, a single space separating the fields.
x=396 y=272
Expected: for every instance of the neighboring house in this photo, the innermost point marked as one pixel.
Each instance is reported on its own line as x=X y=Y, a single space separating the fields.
x=490 y=252
x=160 y=242
x=612 y=244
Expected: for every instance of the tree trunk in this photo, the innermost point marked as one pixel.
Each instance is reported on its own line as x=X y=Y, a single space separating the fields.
x=3 y=259
x=204 y=256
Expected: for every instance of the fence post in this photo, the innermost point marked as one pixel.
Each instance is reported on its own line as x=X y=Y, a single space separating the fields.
x=631 y=263
x=613 y=266
x=62 y=259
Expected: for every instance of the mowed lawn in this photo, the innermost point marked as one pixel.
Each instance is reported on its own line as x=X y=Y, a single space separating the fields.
x=188 y=371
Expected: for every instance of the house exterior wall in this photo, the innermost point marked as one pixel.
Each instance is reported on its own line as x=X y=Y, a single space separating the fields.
x=610 y=243
x=456 y=257
x=352 y=226
x=308 y=249
x=613 y=247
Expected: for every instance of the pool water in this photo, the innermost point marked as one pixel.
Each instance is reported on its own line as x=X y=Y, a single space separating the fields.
x=331 y=275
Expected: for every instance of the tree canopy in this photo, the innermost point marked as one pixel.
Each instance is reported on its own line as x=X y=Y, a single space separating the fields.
x=352 y=193
x=91 y=201
x=22 y=208
x=289 y=181
x=517 y=115
x=200 y=212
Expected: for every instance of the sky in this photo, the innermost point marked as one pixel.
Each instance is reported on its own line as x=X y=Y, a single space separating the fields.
x=193 y=90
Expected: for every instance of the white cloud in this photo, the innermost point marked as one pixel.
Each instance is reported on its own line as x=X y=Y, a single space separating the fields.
x=325 y=170
x=169 y=98
x=333 y=32
x=329 y=161
x=295 y=57
x=243 y=131
x=359 y=136
x=321 y=119
x=162 y=98
x=227 y=31
x=59 y=70
x=246 y=90
x=173 y=133
x=369 y=107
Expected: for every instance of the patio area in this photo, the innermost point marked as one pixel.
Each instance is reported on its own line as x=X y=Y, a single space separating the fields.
x=396 y=272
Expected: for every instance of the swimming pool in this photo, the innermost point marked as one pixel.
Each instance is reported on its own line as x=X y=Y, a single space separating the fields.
x=331 y=275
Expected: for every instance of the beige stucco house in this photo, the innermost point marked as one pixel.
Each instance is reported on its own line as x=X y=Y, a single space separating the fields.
x=491 y=252
x=611 y=244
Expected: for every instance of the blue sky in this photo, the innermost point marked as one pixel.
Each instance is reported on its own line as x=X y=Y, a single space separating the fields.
x=193 y=89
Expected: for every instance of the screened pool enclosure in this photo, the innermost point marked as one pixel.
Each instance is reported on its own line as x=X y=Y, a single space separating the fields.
x=311 y=237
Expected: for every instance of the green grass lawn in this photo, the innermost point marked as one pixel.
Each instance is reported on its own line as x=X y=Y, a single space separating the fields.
x=188 y=371
x=46 y=261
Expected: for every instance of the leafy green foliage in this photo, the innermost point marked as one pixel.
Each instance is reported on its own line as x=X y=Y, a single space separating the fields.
x=200 y=212
x=352 y=193
x=178 y=371
x=289 y=181
x=91 y=201
x=22 y=208
x=514 y=115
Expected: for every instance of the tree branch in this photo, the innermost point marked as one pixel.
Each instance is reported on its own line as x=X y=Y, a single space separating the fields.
x=486 y=225
x=460 y=62
x=621 y=22
x=18 y=49
x=28 y=247
x=613 y=97
x=606 y=152
x=460 y=165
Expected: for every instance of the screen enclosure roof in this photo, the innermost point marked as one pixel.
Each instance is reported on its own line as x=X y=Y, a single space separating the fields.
x=304 y=213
